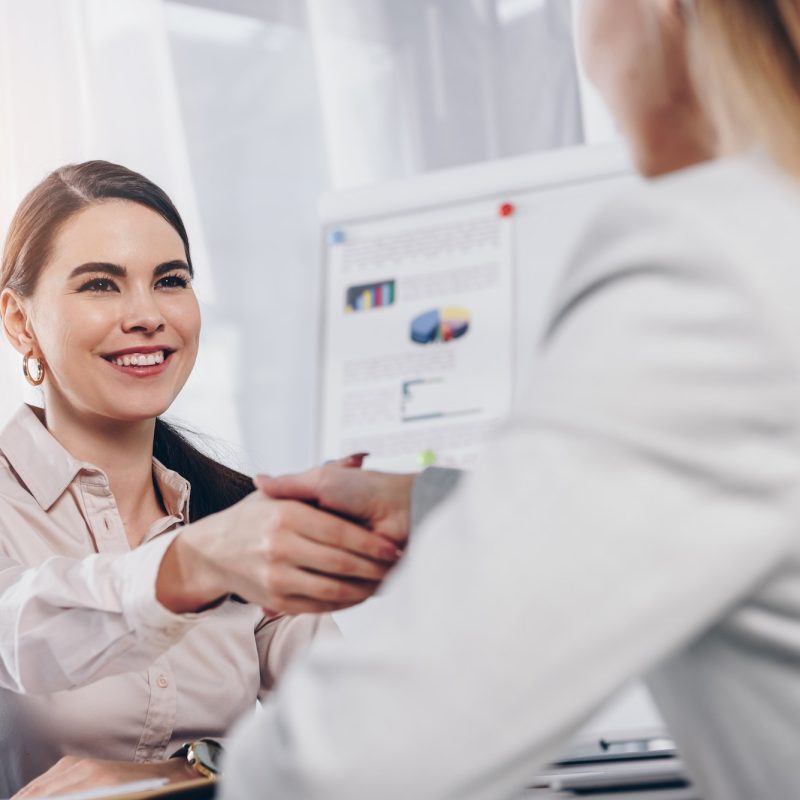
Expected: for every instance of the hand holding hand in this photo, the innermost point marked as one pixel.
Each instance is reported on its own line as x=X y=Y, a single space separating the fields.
x=379 y=500
x=280 y=554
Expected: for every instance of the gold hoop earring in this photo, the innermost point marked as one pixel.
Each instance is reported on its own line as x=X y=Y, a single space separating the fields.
x=39 y=379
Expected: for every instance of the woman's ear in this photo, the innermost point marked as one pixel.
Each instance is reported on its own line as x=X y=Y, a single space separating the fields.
x=16 y=323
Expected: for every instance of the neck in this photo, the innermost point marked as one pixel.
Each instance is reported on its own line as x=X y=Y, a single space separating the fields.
x=654 y=161
x=673 y=138
x=123 y=450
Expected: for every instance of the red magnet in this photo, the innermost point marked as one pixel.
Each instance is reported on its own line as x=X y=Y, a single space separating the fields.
x=506 y=210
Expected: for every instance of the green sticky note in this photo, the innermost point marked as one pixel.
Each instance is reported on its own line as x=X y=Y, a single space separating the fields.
x=427 y=458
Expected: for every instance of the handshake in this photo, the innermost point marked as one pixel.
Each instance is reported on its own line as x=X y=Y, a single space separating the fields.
x=319 y=541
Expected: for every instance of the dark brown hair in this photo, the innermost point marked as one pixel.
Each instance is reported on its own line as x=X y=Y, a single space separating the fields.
x=30 y=238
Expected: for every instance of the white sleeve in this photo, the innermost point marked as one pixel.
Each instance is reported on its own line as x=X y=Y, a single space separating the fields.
x=657 y=446
x=70 y=621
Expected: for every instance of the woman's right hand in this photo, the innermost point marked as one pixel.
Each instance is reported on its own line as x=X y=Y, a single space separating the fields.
x=283 y=555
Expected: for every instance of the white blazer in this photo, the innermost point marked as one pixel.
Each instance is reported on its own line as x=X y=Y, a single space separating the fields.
x=639 y=516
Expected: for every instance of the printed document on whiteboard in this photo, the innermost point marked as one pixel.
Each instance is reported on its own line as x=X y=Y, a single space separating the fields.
x=418 y=335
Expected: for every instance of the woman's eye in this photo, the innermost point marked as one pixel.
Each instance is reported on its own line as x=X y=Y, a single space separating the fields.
x=99 y=285
x=173 y=282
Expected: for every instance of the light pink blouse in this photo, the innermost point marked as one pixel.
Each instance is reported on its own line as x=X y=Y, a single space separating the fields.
x=90 y=663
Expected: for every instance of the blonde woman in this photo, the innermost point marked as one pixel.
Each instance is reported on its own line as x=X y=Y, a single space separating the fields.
x=120 y=543
x=640 y=515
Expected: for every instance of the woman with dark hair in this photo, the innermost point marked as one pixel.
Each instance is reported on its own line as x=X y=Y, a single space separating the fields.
x=120 y=543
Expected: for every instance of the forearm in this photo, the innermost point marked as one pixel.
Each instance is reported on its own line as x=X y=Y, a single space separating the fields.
x=69 y=622
x=186 y=580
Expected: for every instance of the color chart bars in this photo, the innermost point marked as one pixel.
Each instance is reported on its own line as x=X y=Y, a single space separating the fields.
x=370 y=295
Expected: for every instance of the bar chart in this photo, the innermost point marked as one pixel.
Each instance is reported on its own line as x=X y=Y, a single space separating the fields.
x=369 y=296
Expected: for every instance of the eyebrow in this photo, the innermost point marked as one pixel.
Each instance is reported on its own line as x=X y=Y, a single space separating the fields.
x=120 y=272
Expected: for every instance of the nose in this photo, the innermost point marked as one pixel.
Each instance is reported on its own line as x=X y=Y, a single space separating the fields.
x=143 y=315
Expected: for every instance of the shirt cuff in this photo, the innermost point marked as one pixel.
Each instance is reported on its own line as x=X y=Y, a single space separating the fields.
x=147 y=617
x=430 y=488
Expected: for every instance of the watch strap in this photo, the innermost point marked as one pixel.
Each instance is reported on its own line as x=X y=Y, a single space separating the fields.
x=203 y=755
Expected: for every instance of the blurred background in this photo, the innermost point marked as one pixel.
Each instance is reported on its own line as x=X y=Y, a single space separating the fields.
x=245 y=112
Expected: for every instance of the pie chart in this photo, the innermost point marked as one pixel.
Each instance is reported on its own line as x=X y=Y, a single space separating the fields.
x=440 y=325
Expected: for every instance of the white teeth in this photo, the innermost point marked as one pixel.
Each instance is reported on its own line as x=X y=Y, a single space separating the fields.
x=140 y=359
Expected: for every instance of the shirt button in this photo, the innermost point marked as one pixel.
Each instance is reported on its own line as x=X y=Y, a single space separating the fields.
x=163 y=681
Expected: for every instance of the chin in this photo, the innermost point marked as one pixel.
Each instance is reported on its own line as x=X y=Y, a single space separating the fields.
x=136 y=412
x=134 y=418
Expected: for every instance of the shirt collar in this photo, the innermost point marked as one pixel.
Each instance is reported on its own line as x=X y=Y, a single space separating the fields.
x=175 y=491
x=41 y=462
x=47 y=468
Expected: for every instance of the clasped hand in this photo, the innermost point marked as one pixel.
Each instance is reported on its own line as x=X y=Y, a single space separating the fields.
x=320 y=541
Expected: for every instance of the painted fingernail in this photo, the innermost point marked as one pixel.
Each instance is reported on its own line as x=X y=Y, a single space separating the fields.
x=355 y=460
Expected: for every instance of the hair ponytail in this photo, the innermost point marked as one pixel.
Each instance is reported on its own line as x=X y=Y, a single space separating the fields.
x=215 y=487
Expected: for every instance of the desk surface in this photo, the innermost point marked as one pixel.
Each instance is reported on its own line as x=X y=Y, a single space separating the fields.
x=205 y=790
x=654 y=794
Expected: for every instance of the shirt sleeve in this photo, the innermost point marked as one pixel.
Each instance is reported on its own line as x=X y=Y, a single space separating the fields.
x=280 y=640
x=69 y=622
x=431 y=487
x=645 y=485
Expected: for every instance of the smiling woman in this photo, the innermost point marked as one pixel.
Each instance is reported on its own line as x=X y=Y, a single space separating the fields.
x=119 y=540
x=101 y=208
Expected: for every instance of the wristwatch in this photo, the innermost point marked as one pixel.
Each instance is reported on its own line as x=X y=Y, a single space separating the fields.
x=204 y=755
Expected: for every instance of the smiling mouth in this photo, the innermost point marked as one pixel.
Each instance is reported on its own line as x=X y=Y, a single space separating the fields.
x=140 y=360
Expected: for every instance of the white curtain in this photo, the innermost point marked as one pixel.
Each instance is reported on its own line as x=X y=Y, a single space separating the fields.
x=245 y=111
x=428 y=84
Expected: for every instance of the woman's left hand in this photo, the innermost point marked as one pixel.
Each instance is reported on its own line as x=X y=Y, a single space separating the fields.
x=73 y=774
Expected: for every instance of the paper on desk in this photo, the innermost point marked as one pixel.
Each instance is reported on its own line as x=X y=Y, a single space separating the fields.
x=113 y=791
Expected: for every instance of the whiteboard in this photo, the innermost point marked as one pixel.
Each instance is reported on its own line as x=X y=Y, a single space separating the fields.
x=484 y=243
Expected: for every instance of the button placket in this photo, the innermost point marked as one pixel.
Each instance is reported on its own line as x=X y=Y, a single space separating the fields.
x=112 y=533
x=161 y=712
x=104 y=519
